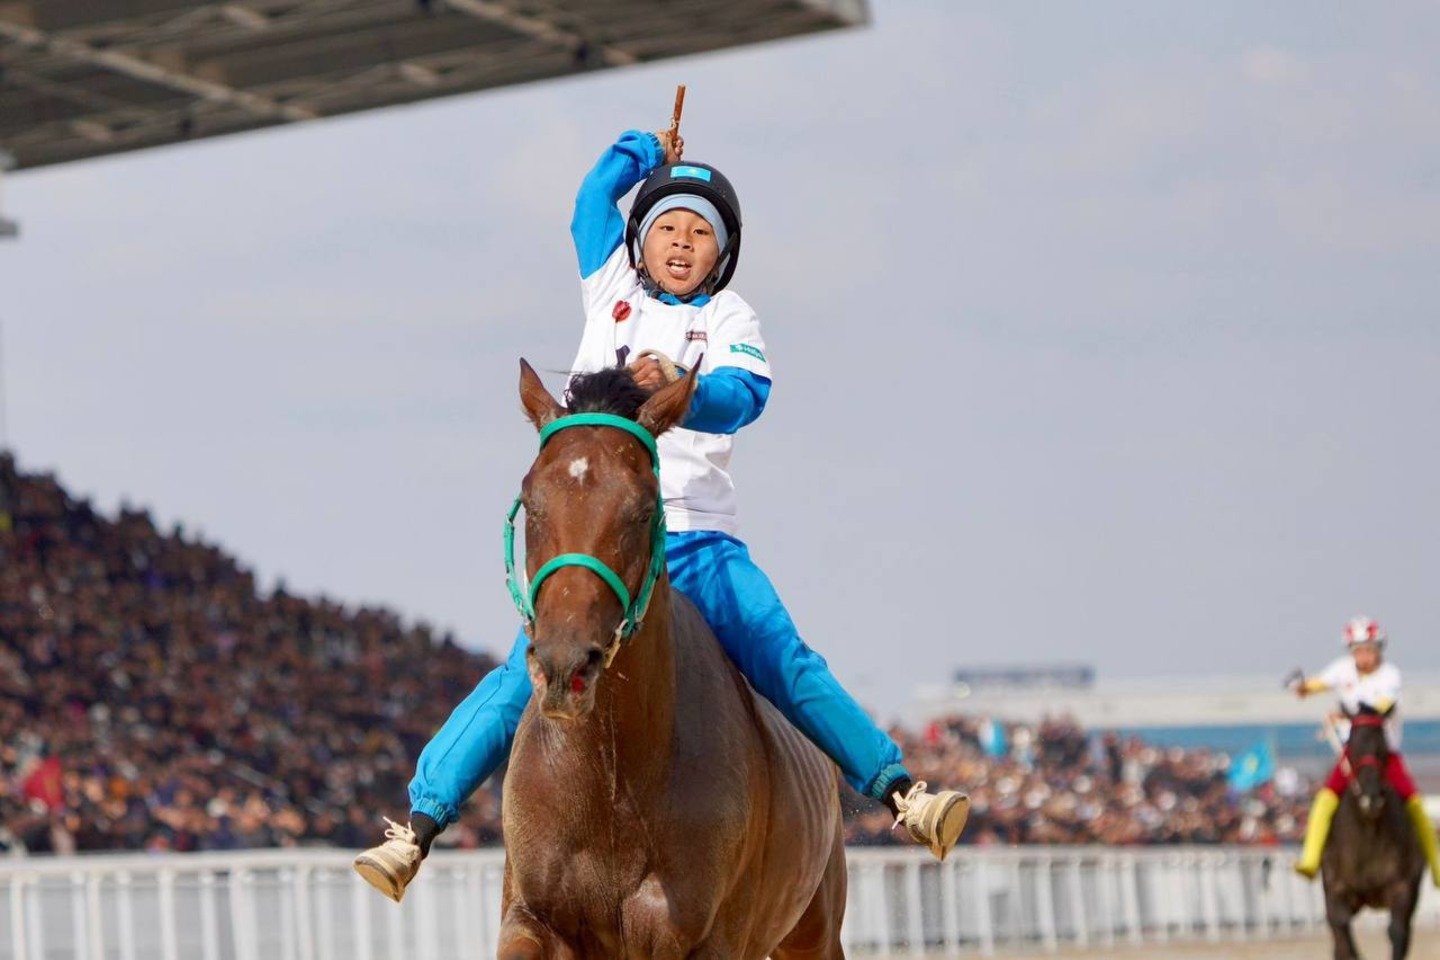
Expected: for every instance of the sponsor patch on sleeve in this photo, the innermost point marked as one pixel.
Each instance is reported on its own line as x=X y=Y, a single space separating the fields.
x=748 y=350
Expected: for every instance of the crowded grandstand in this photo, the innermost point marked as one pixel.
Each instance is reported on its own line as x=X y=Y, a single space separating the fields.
x=153 y=696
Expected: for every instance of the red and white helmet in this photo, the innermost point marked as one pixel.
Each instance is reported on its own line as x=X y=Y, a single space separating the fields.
x=1360 y=630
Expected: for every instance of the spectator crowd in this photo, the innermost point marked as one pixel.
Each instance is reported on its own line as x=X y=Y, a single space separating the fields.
x=1055 y=783
x=152 y=696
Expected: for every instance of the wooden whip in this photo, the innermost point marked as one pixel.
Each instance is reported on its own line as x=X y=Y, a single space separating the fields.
x=675 y=115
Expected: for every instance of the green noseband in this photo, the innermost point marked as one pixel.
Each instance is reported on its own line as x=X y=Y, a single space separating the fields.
x=634 y=607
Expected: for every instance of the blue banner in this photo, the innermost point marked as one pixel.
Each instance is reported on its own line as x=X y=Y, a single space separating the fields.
x=992 y=738
x=1253 y=768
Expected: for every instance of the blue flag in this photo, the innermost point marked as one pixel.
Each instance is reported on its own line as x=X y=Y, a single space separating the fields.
x=992 y=738
x=1253 y=768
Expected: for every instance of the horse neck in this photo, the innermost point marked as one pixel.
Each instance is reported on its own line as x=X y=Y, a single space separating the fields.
x=635 y=704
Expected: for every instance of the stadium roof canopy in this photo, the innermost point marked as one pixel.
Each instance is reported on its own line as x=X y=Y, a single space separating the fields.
x=81 y=78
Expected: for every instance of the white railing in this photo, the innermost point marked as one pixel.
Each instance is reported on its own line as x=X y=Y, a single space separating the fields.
x=308 y=905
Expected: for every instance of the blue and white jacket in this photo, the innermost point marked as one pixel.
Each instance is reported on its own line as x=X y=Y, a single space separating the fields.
x=622 y=320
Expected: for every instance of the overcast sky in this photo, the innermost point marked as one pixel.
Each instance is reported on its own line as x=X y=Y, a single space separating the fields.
x=1102 y=332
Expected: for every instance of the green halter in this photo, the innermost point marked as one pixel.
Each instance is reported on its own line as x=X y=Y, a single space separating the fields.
x=634 y=608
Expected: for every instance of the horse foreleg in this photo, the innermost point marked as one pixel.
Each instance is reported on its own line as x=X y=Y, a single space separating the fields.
x=522 y=937
x=1339 y=916
x=1344 y=941
x=1403 y=901
x=520 y=948
x=1399 y=936
x=659 y=928
x=817 y=934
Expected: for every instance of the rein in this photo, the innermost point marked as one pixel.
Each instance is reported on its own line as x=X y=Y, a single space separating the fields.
x=634 y=607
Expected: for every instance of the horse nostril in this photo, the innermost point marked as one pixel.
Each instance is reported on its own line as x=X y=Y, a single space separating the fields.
x=580 y=676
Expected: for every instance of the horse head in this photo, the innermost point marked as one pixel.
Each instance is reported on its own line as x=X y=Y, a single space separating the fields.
x=594 y=533
x=1368 y=752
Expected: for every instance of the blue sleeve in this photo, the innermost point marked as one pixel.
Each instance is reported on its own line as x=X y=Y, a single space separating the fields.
x=726 y=400
x=597 y=226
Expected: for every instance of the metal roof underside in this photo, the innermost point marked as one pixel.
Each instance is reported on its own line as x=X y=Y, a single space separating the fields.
x=82 y=78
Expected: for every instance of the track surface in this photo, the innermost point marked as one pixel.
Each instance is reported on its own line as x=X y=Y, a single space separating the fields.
x=1373 y=945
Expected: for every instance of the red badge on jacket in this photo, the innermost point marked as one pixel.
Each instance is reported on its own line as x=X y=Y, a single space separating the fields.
x=621 y=311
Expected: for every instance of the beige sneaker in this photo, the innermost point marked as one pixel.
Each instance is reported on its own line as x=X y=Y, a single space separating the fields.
x=391 y=866
x=934 y=819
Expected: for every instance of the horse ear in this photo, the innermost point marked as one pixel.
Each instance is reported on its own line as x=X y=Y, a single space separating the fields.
x=668 y=405
x=539 y=406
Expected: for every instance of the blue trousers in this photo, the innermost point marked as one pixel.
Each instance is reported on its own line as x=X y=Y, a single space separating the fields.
x=738 y=601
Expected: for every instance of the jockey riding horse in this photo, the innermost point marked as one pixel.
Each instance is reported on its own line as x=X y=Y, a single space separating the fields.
x=1364 y=683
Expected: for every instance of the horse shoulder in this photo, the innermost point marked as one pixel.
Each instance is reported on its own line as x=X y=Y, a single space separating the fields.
x=717 y=738
x=718 y=755
x=793 y=800
x=805 y=799
x=566 y=856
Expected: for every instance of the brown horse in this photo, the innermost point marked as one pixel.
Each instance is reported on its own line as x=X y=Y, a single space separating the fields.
x=657 y=807
x=1372 y=858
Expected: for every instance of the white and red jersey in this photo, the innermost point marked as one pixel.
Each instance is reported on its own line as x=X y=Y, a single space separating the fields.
x=1379 y=689
x=621 y=322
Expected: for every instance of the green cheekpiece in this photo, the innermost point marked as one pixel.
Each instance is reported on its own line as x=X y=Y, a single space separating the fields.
x=634 y=607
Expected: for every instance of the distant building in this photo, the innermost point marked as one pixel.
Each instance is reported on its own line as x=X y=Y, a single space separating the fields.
x=1222 y=713
x=1028 y=678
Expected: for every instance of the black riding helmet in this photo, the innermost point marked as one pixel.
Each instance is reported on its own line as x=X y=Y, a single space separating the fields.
x=702 y=180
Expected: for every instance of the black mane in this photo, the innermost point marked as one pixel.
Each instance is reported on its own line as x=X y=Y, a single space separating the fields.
x=612 y=390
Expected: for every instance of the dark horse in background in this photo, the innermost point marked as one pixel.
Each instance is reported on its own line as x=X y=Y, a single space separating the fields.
x=656 y=807
x=1372 y=858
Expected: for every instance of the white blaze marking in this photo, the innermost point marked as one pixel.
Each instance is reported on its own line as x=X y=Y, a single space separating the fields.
x=578 y=468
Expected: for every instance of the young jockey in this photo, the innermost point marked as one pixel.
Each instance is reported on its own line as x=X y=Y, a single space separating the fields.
x=1363 y=680
x=656 y=282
